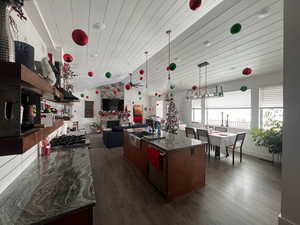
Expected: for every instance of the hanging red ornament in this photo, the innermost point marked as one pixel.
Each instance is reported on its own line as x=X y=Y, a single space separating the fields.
x=118 y=89
x=194 y=88
x=159 y=95
x=68 y=58
x=97 y=92
x=168 y=68
x=80 y=37
x=128 y=86
x=156 y=94
x=90 y=74
x=115 y=92
x=247 y=71
x=142 y=71
x=141 y=78
x=195 y=4
x=87 y=97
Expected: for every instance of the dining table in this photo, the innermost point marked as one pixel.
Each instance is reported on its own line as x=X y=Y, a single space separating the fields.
x=220 y=140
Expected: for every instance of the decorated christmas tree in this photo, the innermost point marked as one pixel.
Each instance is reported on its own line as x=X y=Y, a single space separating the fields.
x=172 y=123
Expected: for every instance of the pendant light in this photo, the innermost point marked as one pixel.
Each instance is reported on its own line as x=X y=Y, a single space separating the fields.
x=171 y=66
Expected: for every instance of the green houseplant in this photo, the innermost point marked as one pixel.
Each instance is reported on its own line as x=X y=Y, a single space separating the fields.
x=270 y=138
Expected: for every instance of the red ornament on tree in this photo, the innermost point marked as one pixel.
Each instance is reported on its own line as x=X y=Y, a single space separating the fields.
x=247 y=71
x=142 y=71
x=68 y=58
x=195 y=4
x=90 y=74
x=168 y=68
x=128 y=86
x=80 y=37
x=194 y=88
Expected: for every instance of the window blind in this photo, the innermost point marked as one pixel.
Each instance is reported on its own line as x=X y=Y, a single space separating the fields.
x=271 y=97
x=196 y=103
x=231 y=100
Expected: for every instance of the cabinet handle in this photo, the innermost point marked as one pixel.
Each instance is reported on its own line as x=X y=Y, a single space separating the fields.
x=8 y=111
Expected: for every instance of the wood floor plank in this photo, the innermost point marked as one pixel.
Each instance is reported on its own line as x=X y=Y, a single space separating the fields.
x=245 y=194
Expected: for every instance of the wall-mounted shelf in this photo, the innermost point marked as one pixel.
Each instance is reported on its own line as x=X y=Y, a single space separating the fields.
x=19 y=145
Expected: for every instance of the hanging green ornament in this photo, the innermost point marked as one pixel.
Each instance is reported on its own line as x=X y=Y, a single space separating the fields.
x=172 y=66
x=140 y=98
x=139 y=92
x=236 y=28
x=244 y=88
x=172 y=86
x=82 y=95
x=108 y=75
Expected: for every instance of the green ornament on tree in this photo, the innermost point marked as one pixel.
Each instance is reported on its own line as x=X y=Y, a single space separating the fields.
x=140 y=98
x=172 y=86
x=108 y=75
x=244 y=88
x=172 y=66
x=139 y=92
x=82 y=95
x=236 y=28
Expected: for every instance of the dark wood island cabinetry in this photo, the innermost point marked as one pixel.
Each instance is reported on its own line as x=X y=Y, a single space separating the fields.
x=181 y=163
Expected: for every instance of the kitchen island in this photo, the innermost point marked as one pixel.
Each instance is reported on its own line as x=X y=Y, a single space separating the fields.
x=180 y=166
x=54 y=190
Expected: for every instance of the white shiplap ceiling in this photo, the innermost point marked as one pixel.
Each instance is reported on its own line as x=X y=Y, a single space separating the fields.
x=134 y=26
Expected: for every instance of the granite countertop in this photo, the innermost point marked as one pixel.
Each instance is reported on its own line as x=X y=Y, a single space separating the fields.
x=50 y=187
x=171 y=142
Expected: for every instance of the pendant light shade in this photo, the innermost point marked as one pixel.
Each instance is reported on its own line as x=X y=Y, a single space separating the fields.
x=90 y=74
x=80 y=37
x=128 y=86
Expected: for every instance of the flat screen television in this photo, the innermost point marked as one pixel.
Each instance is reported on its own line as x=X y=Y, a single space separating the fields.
x=112 y=104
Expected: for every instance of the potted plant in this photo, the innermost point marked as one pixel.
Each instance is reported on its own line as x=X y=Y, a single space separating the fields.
x=270 y=138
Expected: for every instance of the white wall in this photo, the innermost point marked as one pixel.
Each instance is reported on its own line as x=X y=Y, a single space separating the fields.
x=78 y=108
x=27 y=33
x=132 y=96
x=12 y=166
x=291 y=155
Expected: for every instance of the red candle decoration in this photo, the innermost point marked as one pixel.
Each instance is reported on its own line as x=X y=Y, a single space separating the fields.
x=68 y=58
x=247 y=71
x=194 y=88
x=128 y=86
x=142 y=72
x=195 y=4
x=80 y=37
x=90 y=74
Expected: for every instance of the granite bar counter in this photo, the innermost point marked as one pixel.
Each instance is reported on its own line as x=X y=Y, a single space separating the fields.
x=55 y=189
x=181 y=167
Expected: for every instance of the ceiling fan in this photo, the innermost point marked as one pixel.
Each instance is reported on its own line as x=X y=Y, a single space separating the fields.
x=135 y=85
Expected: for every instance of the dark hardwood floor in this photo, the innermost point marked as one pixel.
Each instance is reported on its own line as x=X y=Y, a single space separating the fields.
x=244 y=194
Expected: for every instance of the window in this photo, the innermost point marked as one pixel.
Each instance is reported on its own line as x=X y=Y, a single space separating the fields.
x=271 y=105
x=234 y=107
x=196 y=110
x=160 y=109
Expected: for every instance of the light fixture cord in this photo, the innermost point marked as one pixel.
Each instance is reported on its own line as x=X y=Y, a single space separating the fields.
x=206 y=79
x=147 y=68
x=169 y=75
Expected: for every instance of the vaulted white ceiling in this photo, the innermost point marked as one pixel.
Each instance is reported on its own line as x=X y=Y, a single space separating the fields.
x=132 y=27
x=135 y=26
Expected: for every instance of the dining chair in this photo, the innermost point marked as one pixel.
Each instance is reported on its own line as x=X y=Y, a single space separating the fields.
x=190 y=132
x=221 y=129
x=202 y=134
x=238 y=144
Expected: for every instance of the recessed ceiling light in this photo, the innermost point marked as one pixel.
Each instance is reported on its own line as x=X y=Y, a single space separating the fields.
x=207 y=43
x=263 y=13
x=99 y=25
